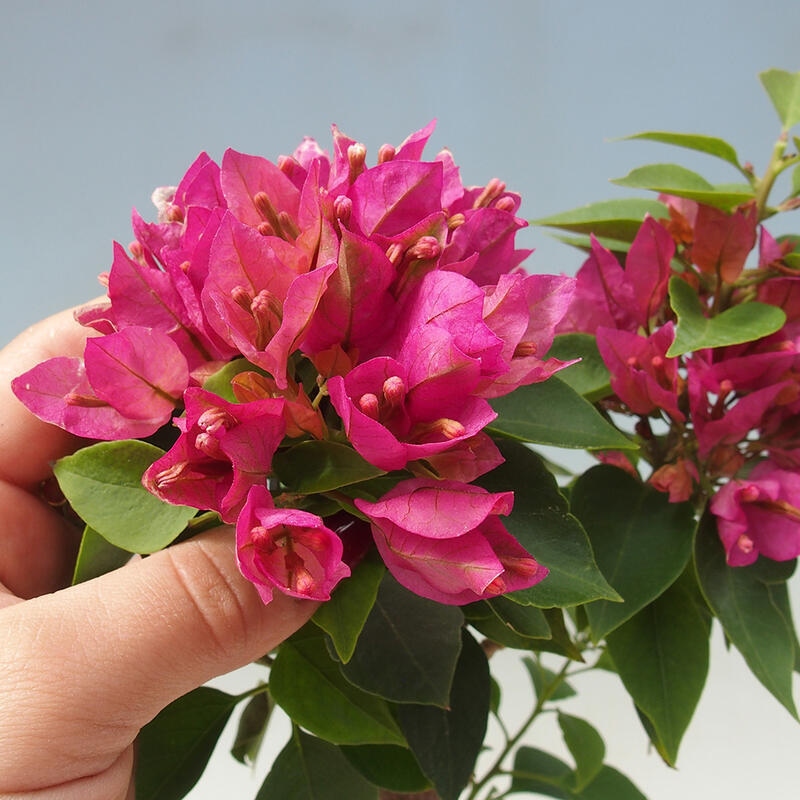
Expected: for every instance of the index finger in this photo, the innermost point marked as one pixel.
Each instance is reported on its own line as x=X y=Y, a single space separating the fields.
x=28 y=446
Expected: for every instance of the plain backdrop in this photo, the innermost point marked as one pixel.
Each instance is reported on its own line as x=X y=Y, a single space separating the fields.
x=100 y=102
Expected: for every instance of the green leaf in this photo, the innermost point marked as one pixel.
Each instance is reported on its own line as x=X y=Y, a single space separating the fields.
x=220 y=382
x=586 y=746
x=616 y=219
x=541 y=522
x=308 y=685
x=446 y=743
x=344 y=615
x=695 y=331
x=311 y=769
x=751 y=620
x=661 y=655
x=173 y=749
x=387 y=766
x=590 y=377
x=610 y=785
x=497 y=631
x=103 y=483
x=96 y=556
x=783 y=89
x=526 y=620
x=321 y=466
x=543 y=680
x=642 y=542
x=681 y=182
x=795 y=181
x=252 y=727
x=553 y=413
x=711 y=145
x=537 y=772
x=408 y=649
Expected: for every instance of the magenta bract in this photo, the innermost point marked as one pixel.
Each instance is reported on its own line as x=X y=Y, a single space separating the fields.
x=287 y=549
x=444 y=540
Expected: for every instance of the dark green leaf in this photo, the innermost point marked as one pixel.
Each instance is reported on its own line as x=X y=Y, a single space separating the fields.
x=677 y=180
x=555 y=414
x=610 y=785
x=252 y=727
x=587 y=748
x=97 y=556
x=103 y=483
x=525 y=620
x=389 y=767
x=321 y=466
x=695 y=331
x=344 y=615
x=691 y=141
x=311 y=769
x=408 y=648
x=783 y=89
x=641 y=541
x=546 y=681
x=174 y=748
x=308 y=685
x=543 y=525
x=751 y=620
x=494 y=629
x=446 y=743
x=537 y=772
x=616 y=219
x=661 y=654
x=590 y=377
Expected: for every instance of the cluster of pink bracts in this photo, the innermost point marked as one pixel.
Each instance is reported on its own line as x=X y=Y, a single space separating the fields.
x=730 y=411
x=394 y=285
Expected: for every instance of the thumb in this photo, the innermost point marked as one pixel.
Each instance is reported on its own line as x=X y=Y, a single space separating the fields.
x=85 y=668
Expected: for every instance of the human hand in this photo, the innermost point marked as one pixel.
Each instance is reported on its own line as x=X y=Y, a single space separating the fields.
x=83 y=668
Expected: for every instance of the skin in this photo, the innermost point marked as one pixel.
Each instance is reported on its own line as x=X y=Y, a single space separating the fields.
x=83 y=668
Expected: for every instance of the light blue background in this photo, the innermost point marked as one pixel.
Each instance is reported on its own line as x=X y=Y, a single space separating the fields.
x=102 y=101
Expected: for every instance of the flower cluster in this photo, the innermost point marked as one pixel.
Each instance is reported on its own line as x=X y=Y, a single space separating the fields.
x=378 y=307
x=716 y=421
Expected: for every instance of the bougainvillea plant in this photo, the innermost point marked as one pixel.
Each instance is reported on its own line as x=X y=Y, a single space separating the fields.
x=348 y=364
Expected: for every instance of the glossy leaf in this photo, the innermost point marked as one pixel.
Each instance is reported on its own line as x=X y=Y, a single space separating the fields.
x=553 y=413
x=344 y=615
x=251 y=728
x=310 y=769
x=610 y=785
x=537 y=772
x=307 y=683
x=103 y=483
x=742 y=601
x=526 y=620
x=446 y=743
x=711 y=145
x=783 y=89
x=642 y=542
x=542 y=523
x=677 y=180
x=387 y=766
x=661 y=655
x=545 y=680
x=616 y=219
x=321 y=466
x=742 y=323
x=586 y=746
x=590 y=377
x=489 y=625
x=96 y=556
x=408 y=649
x=173 y=749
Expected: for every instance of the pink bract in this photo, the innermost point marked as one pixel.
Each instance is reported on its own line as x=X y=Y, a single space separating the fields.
x=444 y=540
x=287 y=549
